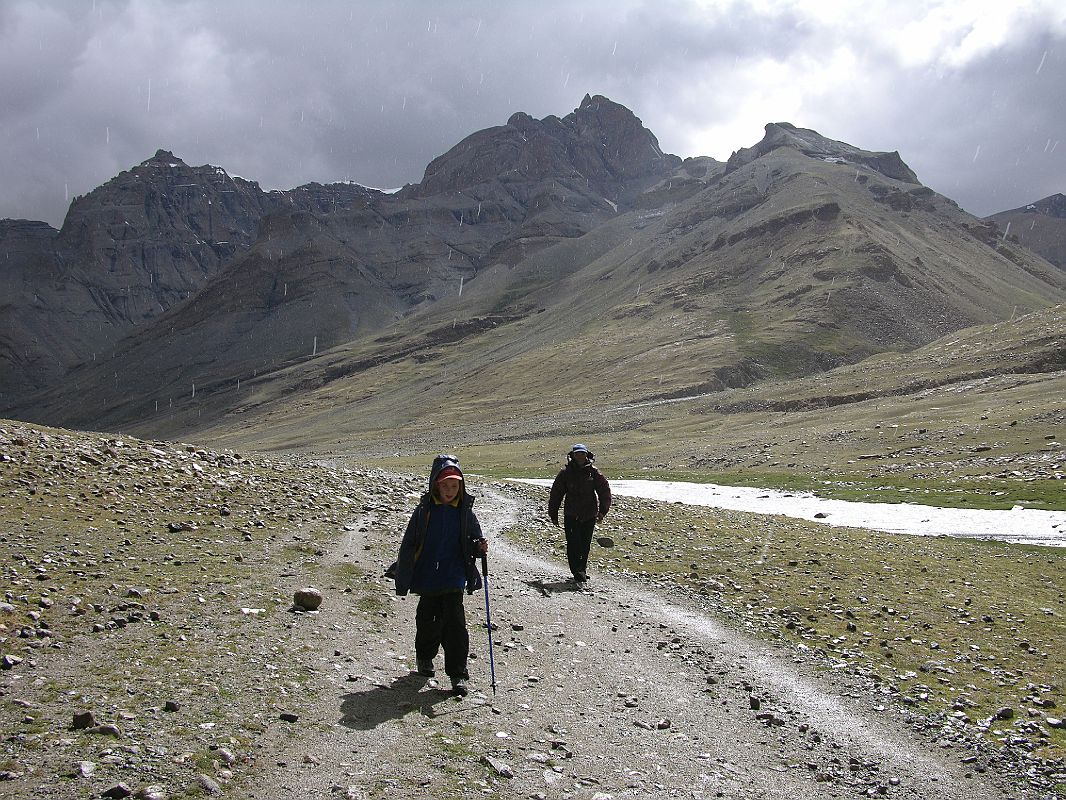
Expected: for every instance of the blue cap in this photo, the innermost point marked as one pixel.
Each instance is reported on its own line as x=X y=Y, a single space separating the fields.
x=579 y=448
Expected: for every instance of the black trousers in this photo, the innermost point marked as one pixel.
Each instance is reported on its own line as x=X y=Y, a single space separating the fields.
x=440 y=620
x=578 y=544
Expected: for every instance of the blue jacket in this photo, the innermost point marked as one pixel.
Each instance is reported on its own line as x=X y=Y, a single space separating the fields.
x=439 y=547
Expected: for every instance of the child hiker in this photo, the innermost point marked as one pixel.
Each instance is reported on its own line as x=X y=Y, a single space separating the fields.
x=436 y=562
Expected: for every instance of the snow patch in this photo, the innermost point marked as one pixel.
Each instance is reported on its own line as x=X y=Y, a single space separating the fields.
x=1019 y=525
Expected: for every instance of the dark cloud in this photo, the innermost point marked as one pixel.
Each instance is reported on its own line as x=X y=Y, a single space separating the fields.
x=286 y=93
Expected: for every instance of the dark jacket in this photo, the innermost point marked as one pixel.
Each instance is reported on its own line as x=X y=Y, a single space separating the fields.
x=460 y=523
x=582 y=491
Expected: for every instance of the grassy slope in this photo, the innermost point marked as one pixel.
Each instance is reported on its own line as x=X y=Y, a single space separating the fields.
x=973 y=419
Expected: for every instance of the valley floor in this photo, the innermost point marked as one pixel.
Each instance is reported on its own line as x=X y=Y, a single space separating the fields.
x=151 y=585
x=612 y=692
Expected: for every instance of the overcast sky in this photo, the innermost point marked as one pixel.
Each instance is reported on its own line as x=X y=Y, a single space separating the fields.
x=971 y=93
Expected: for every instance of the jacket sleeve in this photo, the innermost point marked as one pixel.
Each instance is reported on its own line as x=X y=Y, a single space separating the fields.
x=404 y=568
x=603 y=492
x=474 y=535
x=473 y=528
x=555 y=498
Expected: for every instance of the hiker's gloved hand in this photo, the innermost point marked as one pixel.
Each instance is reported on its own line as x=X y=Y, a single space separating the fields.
x=474 y=582
x=599 y=517
x=555 y=520
x=482 y=546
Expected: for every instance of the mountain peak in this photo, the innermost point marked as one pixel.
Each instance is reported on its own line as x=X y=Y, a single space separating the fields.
x=163 y=156
x=601 y=144
x=813 y=144
x=595 y=102
x=1053 y=206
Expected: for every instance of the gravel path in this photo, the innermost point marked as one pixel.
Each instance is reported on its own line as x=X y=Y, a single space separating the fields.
x=611 y=692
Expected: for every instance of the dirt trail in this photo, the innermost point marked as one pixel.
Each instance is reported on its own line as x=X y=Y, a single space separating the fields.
x=613 y=692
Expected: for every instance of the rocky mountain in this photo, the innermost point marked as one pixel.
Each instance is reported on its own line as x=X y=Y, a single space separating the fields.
x=147 y=239
x=155 y=235
x=542 y=264
x=1040 y=226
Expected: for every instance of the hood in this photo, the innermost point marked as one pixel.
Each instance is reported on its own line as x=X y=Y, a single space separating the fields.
x=442 y=462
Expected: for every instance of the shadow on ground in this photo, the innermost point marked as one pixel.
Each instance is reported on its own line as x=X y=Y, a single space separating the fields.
x=548 y=588
x=406 y=694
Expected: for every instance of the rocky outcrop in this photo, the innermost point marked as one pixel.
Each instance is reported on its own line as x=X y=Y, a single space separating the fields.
x=813 y=144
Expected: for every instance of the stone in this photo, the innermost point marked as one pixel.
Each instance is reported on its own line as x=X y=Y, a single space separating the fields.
x=208 y=784
x=498 y=766
x=118 y=790
x=83 y=720
x=107 y=729
x=307 y=599
x=9 y=661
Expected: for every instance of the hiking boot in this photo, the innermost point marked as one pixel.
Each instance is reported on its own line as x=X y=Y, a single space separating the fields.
x=425 y=667
x=459 y=687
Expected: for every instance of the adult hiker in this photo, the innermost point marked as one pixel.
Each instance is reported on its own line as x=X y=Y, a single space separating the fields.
x=436 y=562
x=585 y=497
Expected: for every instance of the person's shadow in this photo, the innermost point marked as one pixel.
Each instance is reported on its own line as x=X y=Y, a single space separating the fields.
x=368 y=709
x=547 y=589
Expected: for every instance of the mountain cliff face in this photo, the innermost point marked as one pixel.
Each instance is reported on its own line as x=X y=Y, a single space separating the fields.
x=1040 y=226
x=147 y=239
x=533 y=256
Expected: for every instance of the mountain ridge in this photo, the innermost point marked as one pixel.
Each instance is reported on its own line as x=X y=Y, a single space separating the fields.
x=1040 y=226
x=800 y=255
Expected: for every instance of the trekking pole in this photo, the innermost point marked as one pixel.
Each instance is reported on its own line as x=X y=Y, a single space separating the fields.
x=488 y=619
